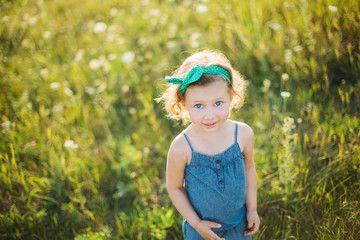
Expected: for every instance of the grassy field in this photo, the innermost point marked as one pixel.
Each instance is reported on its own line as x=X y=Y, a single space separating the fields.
x=83 y=144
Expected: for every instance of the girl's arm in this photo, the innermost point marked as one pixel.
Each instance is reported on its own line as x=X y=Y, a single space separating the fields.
x=176 y=163
x=251 y=198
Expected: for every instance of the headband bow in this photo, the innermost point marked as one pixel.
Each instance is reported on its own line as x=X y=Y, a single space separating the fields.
x=195 y=74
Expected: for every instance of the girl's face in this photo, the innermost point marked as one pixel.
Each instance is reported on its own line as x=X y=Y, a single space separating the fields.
x=208 y=106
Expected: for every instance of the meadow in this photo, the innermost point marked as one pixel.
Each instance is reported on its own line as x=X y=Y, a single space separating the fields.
x=83 y=143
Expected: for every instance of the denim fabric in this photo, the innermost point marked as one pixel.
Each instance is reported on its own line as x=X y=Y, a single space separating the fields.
x=216 y=187
x=235 y=233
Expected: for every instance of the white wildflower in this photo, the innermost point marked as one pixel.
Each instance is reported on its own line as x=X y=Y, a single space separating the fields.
x=58 y=107
x=143 y=40
x=333 y=8
x=201 y=8
x=284 y=77
x=54 y=85
x=155 y=12
x=289 y=5
x=5 y=18
x=113 y=12
x=101 y=88
x=267 y=83
x=99 y=27
x=33 y=20
x=297 y=48
x=44 y=73
x=68 y=92
x=275 y=26
x=101 y=62
x=194 y=39
x=70 y=144
x=266 y=86
x=285 y=94
x=94 y=64
x=26 y=43
x=79 y=55
x=47 y=34
x=128 y=57
x=288 y=55
x=89 y=90
x=125 y=88
x=5 y=124
x=112 y=56
x=195 y=36
x=146 y=150
x=132 y=110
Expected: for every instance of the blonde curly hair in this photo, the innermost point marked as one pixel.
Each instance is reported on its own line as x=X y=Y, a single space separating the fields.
x=174 y=100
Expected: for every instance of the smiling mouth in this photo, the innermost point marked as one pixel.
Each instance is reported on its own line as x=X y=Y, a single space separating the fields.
x=210 y=125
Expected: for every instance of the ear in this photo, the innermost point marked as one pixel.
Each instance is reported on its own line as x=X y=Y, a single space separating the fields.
x=231 y=94
x=184 y=108
x=183 y=104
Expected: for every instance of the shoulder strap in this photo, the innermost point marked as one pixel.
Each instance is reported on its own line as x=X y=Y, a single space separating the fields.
x=188 y=142
x=236 y=132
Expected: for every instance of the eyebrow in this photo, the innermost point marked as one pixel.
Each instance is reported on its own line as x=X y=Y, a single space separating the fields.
x=214 y=100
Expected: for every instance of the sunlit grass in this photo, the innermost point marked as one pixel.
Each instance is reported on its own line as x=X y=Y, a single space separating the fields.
x=83 y=143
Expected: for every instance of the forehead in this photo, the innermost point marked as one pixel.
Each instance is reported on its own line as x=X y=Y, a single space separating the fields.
x=209 y=92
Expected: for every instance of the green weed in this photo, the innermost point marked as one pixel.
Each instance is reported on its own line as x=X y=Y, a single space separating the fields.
x=83 y=144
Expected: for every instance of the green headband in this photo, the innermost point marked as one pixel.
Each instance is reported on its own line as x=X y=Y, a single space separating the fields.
x=195 y=74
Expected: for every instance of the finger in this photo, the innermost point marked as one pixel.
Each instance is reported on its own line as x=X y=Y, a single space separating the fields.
x=215 y=237
x=256 y=226
x=214 y=225
x=218 y=238
x=253 y=230
x=249 y=232
x=250 y=223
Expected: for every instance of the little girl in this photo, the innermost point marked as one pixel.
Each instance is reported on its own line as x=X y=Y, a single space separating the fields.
x=210 y=173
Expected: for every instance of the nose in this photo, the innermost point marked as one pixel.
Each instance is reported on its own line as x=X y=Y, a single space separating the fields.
x=209 y=114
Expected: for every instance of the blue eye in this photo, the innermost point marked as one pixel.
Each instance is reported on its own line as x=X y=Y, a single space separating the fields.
x=219 y=103
x=198 y=106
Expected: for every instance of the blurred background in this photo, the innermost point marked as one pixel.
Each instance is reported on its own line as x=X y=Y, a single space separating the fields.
x=83 y=143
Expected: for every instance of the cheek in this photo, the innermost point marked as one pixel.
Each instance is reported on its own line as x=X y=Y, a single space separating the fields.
x=194 y=115
x=224 y=112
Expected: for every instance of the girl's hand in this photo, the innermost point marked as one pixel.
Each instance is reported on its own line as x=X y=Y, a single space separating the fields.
x=204 y=229
x=253 y=222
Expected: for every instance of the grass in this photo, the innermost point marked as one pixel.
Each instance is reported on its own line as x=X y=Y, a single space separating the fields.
x=83 y=143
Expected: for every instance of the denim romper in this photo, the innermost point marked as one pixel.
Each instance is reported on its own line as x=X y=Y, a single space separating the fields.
x=216 y=187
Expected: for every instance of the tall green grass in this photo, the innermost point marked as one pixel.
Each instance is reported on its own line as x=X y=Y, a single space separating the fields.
x=83 y=143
